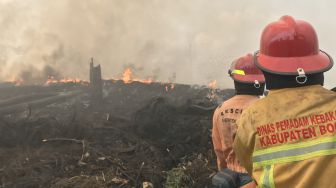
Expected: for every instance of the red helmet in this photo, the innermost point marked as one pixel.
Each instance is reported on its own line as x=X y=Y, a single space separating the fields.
x=290 y=47
x=244 y=70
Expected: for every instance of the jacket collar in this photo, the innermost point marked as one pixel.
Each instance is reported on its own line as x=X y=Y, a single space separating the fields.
x=296 y=89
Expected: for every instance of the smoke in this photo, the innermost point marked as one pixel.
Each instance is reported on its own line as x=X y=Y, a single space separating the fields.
x=187 y=41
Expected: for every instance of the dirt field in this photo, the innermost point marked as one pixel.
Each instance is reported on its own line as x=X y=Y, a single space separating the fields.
x=139 y=135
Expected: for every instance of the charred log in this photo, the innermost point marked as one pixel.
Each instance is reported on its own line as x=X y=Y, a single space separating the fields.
x=96 y=82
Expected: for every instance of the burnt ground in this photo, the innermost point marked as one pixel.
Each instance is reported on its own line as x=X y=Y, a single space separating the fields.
x=139 y=134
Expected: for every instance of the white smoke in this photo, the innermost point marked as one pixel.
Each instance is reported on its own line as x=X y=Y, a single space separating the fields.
x=192 y=41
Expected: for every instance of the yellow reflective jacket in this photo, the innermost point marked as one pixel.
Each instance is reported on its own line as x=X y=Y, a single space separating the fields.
x=288 y=139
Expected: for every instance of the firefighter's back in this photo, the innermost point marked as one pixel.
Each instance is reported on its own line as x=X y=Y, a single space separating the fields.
x=295 y=142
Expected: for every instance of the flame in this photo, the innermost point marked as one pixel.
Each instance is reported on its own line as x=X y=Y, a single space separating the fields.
x=213 y=84
x=16 y=81
x=51 y=80
x=128 y=77
x=146 y=81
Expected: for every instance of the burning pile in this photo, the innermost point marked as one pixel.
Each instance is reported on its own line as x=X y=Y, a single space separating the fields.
x=139 y=131
x=136 y=135
x=53 y=81
x=128 y=77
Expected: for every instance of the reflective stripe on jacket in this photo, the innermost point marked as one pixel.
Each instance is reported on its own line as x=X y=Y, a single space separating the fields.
x=224 y=129
x=288 y=138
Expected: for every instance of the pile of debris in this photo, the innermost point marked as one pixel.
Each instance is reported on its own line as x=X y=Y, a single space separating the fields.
x=138 y=135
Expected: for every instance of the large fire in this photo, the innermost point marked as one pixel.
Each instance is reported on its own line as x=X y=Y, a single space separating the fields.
x=128 y=78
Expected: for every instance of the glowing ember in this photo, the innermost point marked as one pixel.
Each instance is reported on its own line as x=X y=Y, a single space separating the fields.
x=213 y=84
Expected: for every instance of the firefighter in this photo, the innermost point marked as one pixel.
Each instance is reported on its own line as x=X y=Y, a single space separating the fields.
x=288 y=139
x=249 y=84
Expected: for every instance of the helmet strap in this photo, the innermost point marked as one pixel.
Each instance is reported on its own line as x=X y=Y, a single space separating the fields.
x=277 y=81
x=256 y=84
x=301 y=78
x=243 y=88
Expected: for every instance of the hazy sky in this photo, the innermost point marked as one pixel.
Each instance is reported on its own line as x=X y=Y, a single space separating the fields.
x=188 y=41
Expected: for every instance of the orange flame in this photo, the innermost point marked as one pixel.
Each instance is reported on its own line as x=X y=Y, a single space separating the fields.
x=51 y=80
x=128 y=78
x=16 y=81
x=147 y=81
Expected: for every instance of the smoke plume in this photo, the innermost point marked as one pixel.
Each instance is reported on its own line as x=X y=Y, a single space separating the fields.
x=186 y=41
